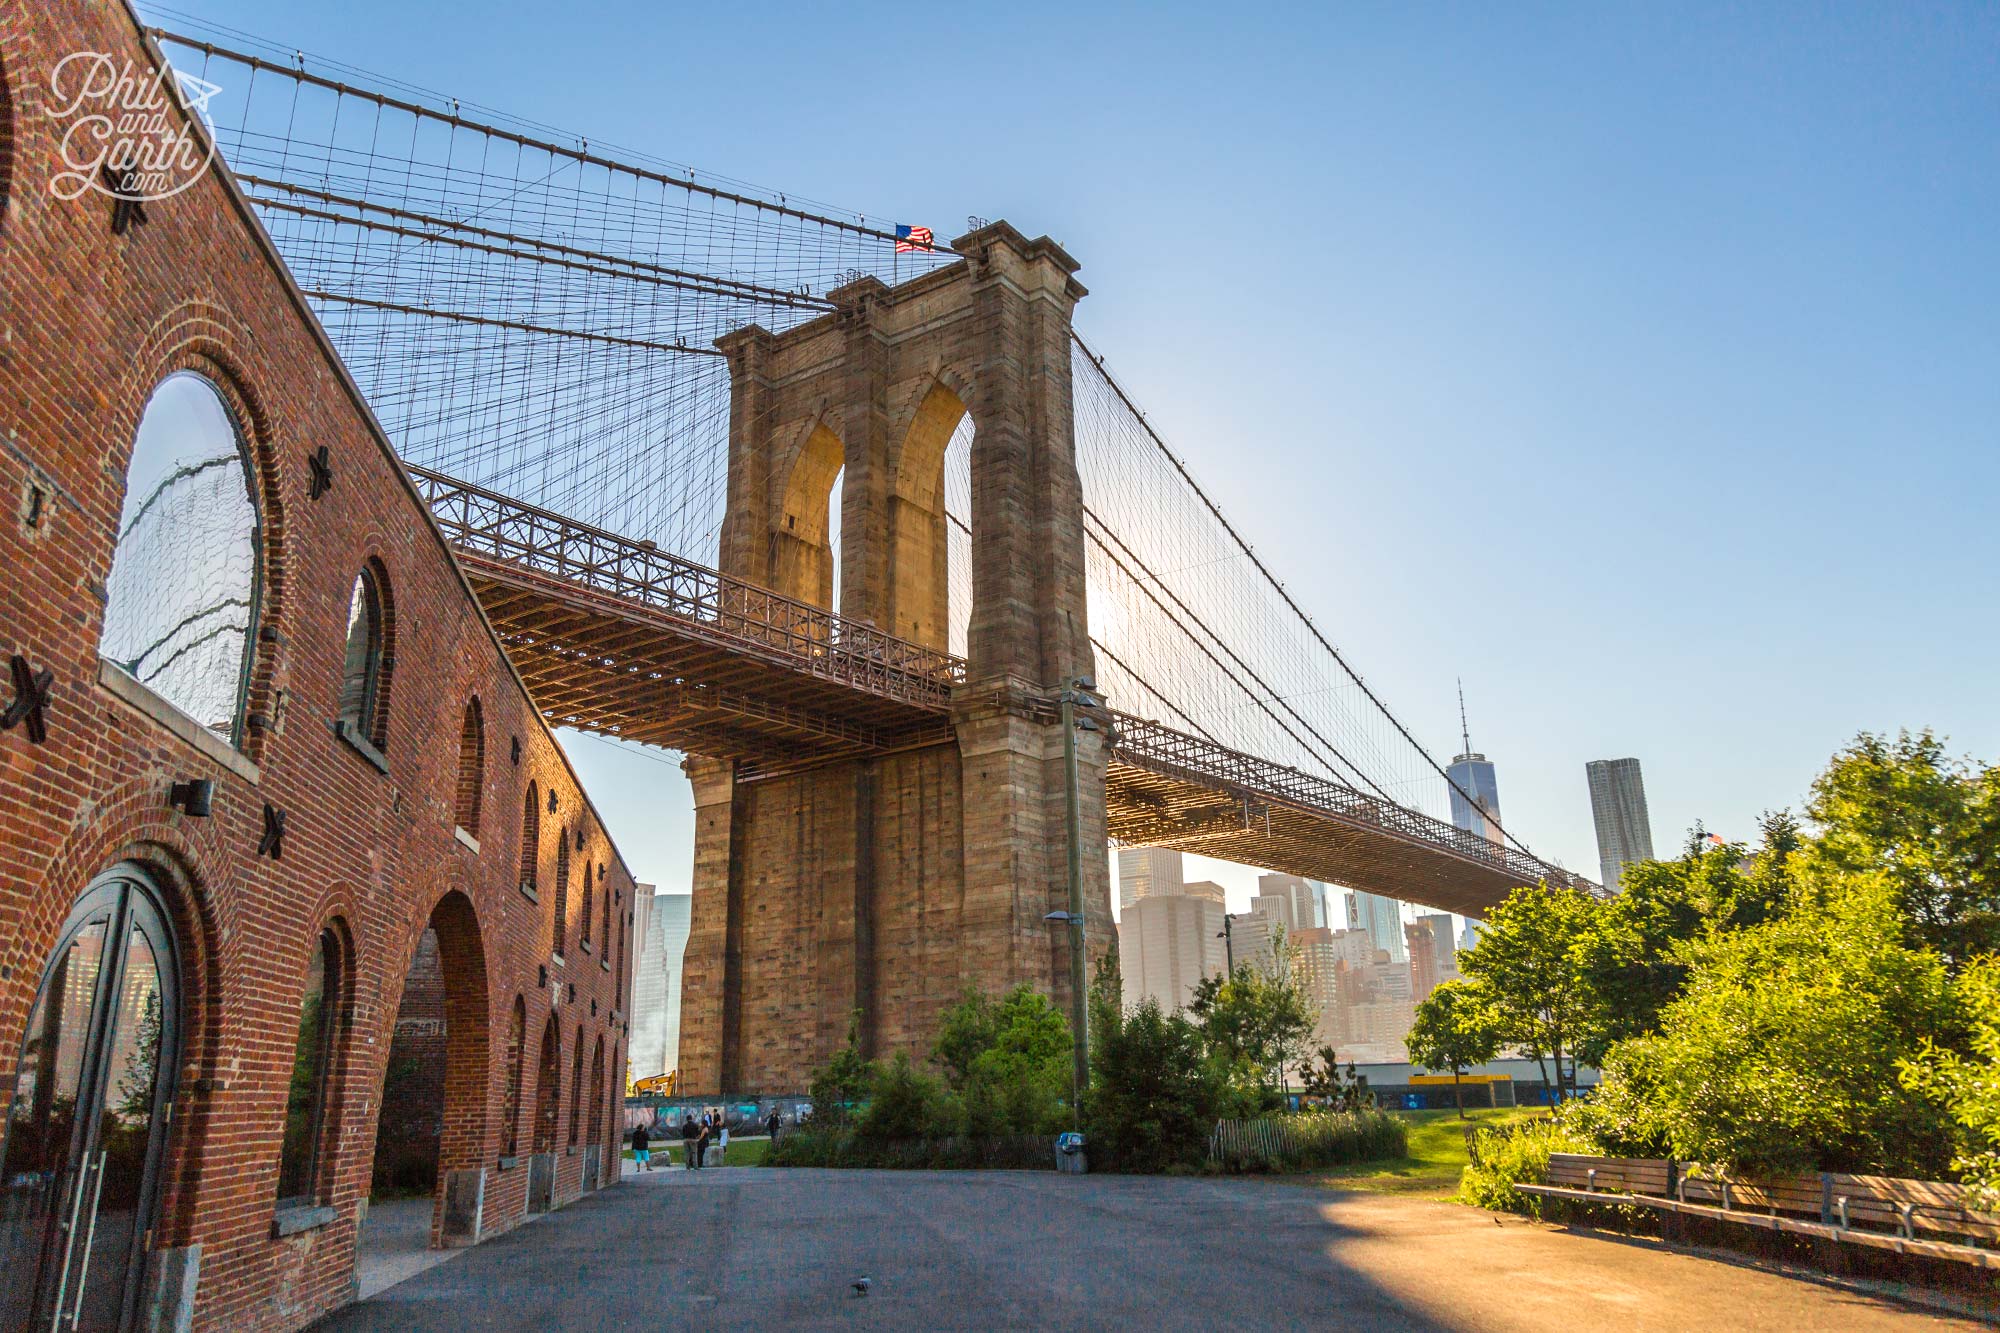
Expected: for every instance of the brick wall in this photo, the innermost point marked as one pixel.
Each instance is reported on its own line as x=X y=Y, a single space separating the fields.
x=90 y=323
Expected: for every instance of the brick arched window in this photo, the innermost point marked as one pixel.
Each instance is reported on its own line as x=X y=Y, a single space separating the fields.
x=370 y=659
x=604 y=931
x=595 y=1105
x=616 y=1109
x=576 y=1089
x=517 y=1057
x=181 y=600
x=322 y=1028
x=589 y=908
x=531 y=839
x=471 y=768
x=560 y=929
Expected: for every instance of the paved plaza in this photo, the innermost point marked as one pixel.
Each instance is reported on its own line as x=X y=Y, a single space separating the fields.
x=770 y=1249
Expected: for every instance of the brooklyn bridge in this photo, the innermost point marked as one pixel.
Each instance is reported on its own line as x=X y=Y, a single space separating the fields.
x=857 y=520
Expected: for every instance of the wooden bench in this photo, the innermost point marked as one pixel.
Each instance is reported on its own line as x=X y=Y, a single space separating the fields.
x=1880 y=1212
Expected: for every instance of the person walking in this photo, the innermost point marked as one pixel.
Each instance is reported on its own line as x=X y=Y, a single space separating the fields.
x=771 y=1126
x=690 y=1135
x=642 y=1148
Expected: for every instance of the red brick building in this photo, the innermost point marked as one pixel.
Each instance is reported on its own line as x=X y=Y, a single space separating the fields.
x=261 y=751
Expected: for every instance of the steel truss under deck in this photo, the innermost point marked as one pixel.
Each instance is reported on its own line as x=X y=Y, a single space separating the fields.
x=617 y=637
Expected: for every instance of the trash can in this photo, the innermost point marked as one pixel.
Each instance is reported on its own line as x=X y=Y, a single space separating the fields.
x=1070 y=1156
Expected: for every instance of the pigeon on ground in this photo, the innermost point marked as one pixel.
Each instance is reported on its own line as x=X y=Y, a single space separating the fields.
x=860 y=1286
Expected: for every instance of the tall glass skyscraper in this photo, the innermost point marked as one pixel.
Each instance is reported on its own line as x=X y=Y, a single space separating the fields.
x=1382 y=918
x=1618 y=805
x=661 y=925
x=1475 y=792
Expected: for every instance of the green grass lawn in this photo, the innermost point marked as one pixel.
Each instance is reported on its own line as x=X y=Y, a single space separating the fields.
x=740 y=1152
x=1436 y=1157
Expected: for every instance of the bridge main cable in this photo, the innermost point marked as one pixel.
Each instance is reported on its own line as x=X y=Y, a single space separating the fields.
x=561 y=255
x=582 y=155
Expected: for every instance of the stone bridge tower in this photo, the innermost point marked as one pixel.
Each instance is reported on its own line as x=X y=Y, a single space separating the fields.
x=883 y=886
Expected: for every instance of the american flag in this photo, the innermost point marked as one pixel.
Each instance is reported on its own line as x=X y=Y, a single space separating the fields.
x=911 y=239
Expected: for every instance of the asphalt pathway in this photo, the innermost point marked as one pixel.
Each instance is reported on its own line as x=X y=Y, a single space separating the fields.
x=764 y=1249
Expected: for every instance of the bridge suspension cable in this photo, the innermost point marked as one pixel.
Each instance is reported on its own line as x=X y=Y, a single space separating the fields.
x=1280 y=660
x=536 y=316
x=521 y=308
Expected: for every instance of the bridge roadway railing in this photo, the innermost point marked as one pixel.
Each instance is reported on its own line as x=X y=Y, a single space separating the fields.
x=1163 y=750
x=712 y=605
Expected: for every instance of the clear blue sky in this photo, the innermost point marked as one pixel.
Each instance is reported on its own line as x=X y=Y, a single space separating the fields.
x=1642 y=368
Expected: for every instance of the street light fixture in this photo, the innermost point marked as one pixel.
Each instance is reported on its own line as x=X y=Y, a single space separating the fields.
x=1228 y=943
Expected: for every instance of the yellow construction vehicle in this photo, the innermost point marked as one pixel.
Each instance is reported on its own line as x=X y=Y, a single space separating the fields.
x=660 y=1085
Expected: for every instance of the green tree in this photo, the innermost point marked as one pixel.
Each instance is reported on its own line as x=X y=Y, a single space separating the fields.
x=1454 y=1029
x=1255 y=1023
x=1010 y=1060
x=965 y=1032
x=1968 y=1083
x=1927 y=822
x=1536 y=962
x=1153 y=1092
x=844 y=1081
x=1322 y=1078
x=1782 y=1051
x=1634 y=960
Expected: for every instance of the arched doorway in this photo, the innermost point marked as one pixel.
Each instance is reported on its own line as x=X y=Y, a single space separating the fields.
x=548 y=1114
x=593 y=1134
x=86 y=1131
x=434 y=1089
x=548 y=1088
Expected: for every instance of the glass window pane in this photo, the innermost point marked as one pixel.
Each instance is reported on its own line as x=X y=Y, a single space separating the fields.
x=183 y=576
x=125 y=1131
x=364 y=639
x=298 y=1165
x=42 y=1119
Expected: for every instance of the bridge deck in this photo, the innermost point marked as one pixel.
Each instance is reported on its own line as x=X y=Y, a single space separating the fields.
x=1168 y=788
x=616 y=637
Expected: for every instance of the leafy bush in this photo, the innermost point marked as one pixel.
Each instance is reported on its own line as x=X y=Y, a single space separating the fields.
x=811 y=1144
x=1308 y=1140
x=844 y=1082
x=1970 y=1088
x=906 y=1103
x=1502 y=1159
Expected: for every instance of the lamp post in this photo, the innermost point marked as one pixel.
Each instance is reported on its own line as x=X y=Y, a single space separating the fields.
x=1081 y=693
x=1228 y=945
